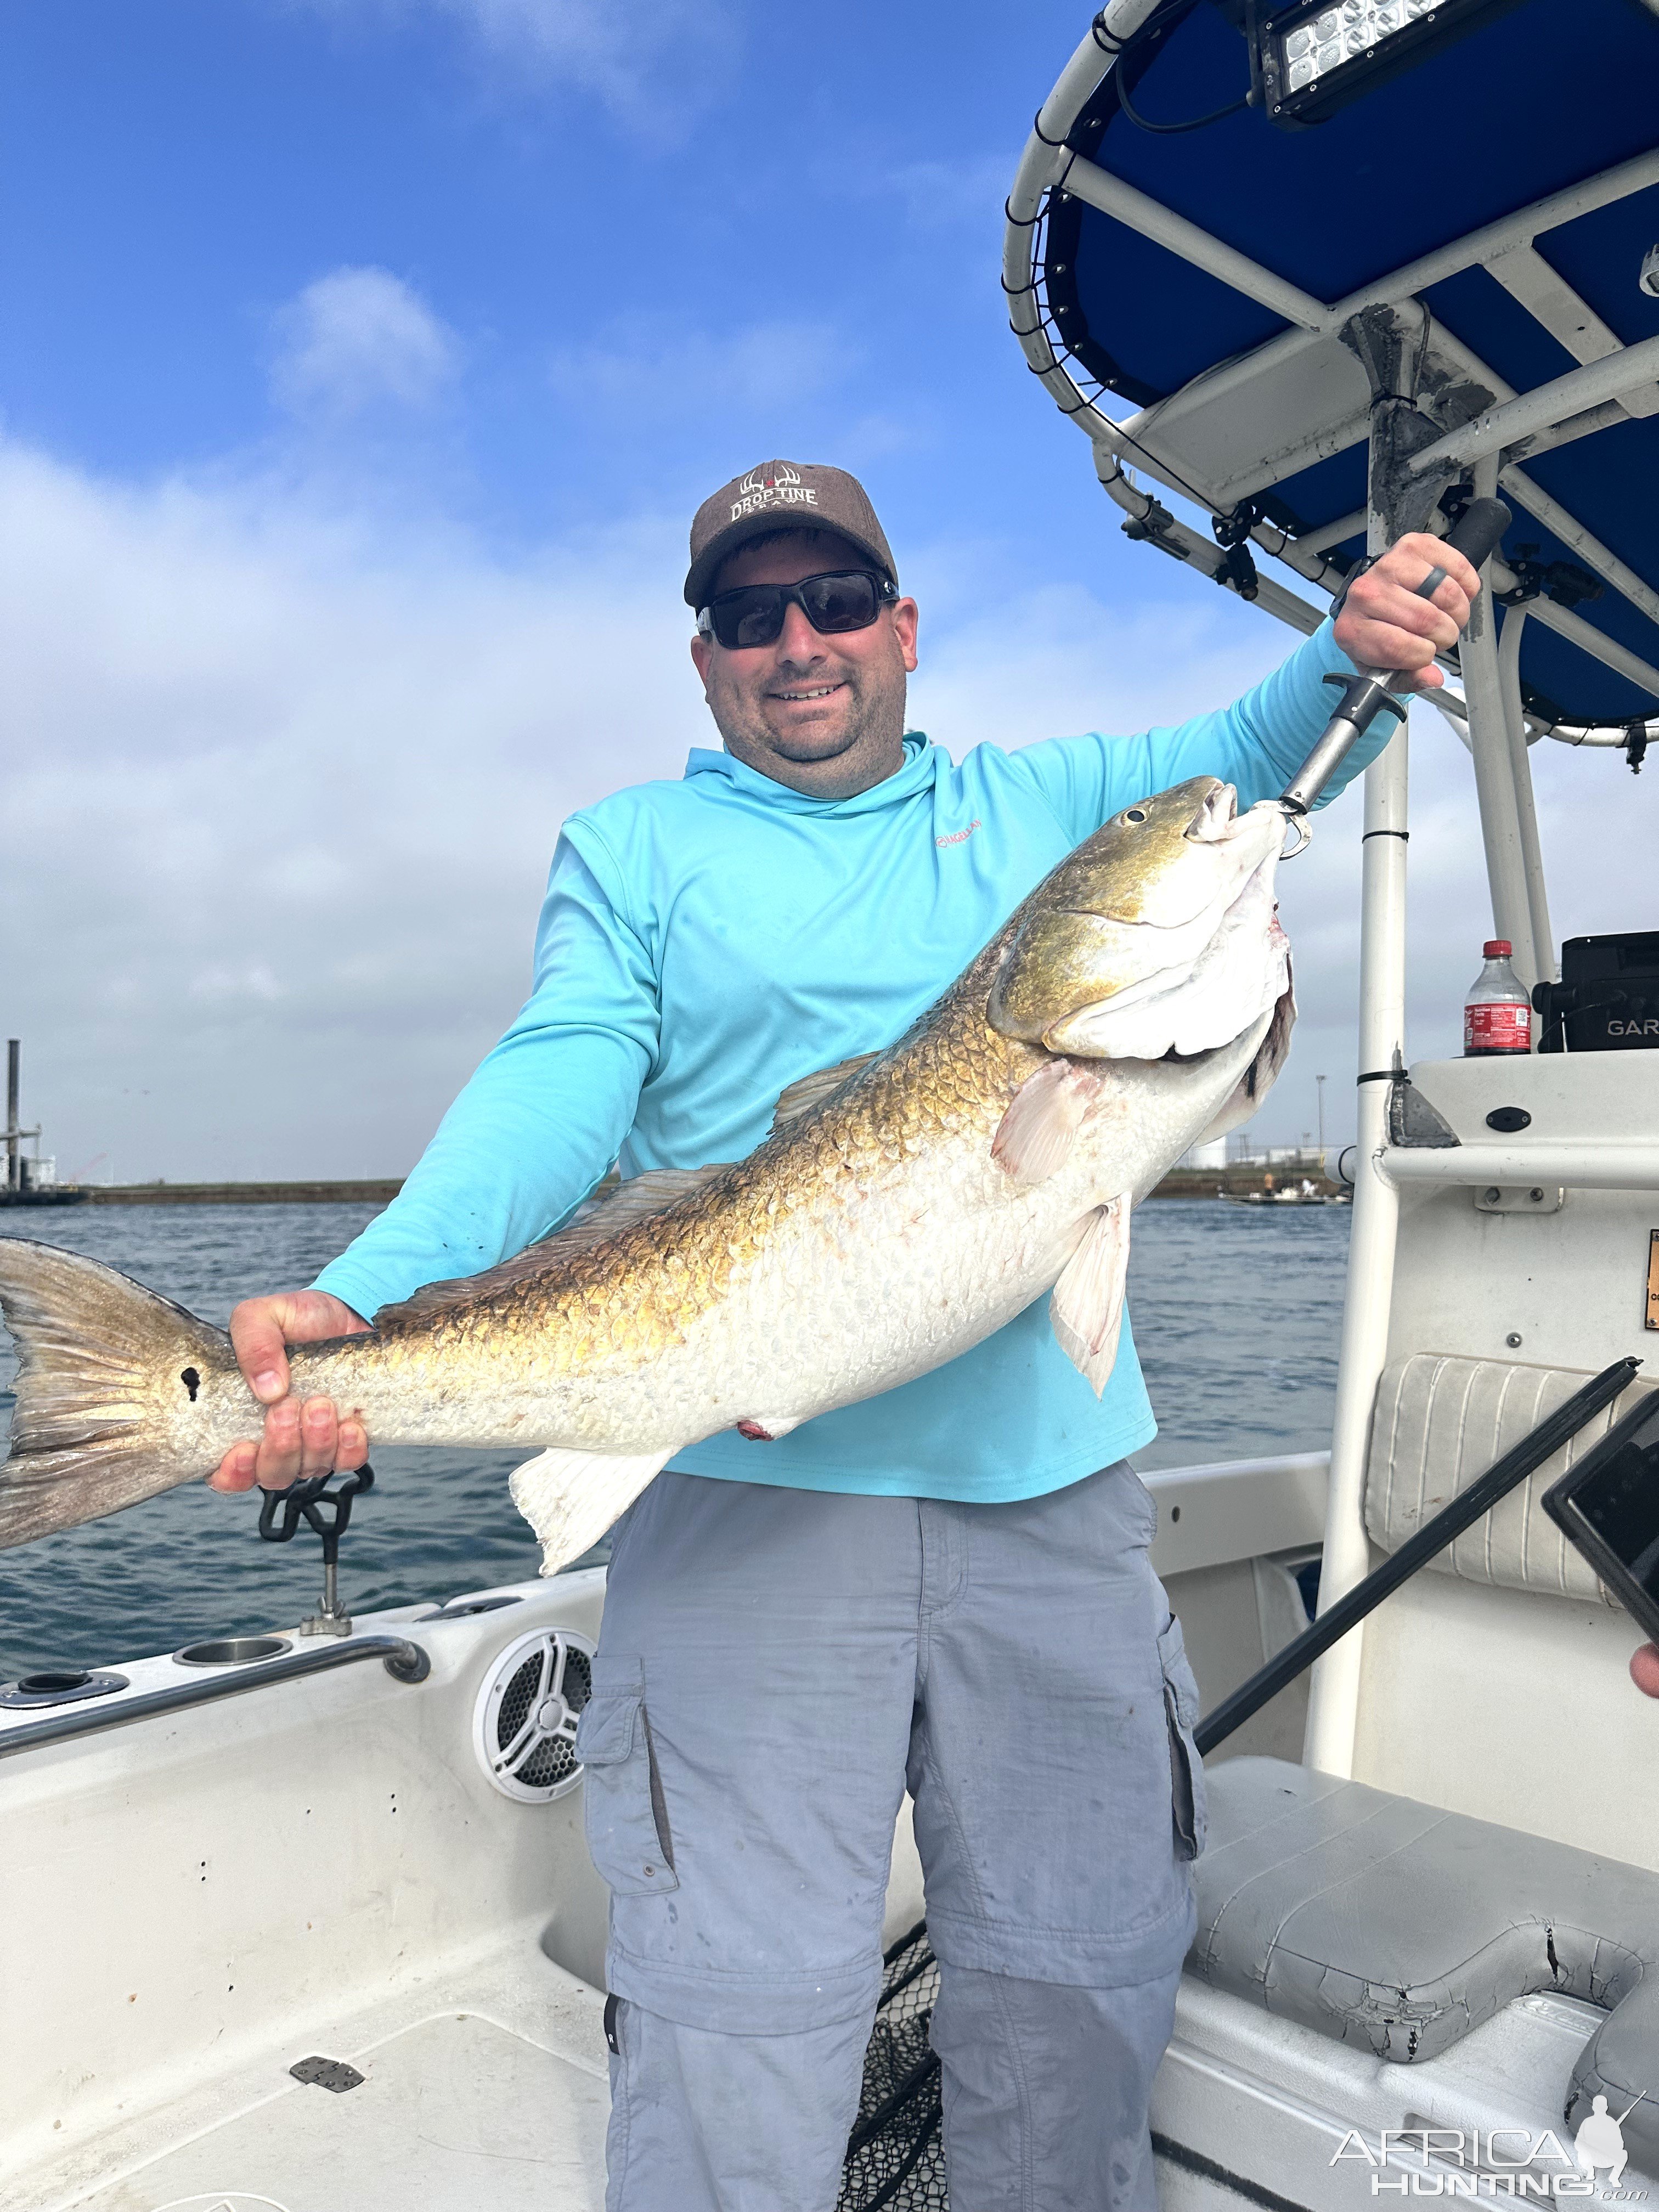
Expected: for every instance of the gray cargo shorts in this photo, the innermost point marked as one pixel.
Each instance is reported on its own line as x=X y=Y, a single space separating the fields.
x=776 y=1667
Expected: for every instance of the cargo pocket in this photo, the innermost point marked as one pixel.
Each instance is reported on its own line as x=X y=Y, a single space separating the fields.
x=1186 y=1768
x=625 y=1813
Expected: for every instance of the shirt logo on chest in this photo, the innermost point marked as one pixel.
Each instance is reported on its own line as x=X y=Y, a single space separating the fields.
x=959 y=836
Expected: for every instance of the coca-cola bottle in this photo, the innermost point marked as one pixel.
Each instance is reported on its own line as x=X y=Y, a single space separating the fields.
x=1497 y=1012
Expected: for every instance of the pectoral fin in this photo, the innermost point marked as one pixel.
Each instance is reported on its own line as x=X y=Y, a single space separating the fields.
x=571 y=1497
x=1086 y=1309
x=1035 y=1135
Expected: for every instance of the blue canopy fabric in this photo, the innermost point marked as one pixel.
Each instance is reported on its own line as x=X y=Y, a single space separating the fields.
x=1548 y=93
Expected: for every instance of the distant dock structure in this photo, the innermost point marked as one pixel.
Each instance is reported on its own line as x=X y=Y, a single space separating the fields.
x=29 y=1182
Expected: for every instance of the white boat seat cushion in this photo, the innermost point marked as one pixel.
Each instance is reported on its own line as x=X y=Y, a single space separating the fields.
x=1442 y=1421
x=1398 y=1927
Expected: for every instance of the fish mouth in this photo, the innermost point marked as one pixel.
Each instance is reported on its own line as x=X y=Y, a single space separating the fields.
x=1217 y=815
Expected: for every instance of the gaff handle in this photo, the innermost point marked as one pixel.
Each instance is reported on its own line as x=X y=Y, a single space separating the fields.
x=1479 y=527
x=1482 y=523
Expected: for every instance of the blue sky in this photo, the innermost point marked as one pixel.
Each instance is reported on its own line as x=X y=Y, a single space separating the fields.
x=361 y=362
x=646 y=248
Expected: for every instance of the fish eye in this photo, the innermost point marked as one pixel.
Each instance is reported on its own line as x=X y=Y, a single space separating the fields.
x=1133 y=814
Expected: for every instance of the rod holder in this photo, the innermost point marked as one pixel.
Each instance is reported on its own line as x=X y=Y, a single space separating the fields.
x=327 y=1511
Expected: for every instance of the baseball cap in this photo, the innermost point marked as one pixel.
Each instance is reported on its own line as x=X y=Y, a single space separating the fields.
x=781 y=496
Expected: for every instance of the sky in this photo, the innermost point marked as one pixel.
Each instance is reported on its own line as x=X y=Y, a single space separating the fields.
x=360 y=364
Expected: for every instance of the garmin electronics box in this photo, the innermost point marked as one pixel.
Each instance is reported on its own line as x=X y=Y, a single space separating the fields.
x=1607 y=999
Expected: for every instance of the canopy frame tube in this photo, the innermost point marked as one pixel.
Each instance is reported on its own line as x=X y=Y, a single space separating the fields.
x=1368 y=1300
x=1049 y=165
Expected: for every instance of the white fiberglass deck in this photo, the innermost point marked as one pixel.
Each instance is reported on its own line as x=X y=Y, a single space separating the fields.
x=320 y=1867
x=500 y=2099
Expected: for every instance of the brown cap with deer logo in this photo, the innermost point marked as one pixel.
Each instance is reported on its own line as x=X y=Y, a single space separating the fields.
x=781 y=496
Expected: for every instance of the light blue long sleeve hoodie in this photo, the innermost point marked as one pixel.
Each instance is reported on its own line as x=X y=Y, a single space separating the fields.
x=705 y=943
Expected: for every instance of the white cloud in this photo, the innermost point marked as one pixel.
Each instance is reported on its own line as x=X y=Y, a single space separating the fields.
x=221 y=983
x=282 y=794
x=670 y=371
x=357 y=338
x=652 y=62
x=938 y=195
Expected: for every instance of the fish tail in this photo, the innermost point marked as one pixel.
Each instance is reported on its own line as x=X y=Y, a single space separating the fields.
x=113 y=1390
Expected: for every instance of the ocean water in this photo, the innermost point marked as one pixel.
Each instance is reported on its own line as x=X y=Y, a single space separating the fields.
x=1236 y=1314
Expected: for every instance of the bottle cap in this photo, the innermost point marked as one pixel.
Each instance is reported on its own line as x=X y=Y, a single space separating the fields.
x=1497 y=948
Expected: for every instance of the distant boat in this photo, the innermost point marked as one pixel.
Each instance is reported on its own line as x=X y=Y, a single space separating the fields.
x=29 y=1182
x=1302 y=1193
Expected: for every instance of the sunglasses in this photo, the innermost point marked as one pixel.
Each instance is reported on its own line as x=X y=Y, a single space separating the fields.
x=844 y=598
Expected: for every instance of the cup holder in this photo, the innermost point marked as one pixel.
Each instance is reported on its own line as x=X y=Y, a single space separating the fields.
x=232 y=1650
x=59 y=1686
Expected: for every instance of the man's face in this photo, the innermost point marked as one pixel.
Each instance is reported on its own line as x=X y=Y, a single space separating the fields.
x=823 y=714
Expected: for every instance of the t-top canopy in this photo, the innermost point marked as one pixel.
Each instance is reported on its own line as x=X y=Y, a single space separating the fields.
x=1182 y=290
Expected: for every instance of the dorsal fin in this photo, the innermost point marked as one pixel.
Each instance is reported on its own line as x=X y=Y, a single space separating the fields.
x=811 y=1090
x=596 y=1220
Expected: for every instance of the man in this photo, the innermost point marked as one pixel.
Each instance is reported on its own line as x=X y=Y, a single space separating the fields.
x=946 y=1585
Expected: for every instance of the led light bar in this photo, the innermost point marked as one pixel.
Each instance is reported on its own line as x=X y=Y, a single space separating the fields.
x=1311 y=60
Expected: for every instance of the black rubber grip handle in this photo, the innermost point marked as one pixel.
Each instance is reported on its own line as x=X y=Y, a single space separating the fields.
x=1482 y=523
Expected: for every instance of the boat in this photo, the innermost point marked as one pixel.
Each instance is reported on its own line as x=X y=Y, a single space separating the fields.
x=1321 y=275
x=305 y=1920
x=1290 y=1194
x=29 y=1181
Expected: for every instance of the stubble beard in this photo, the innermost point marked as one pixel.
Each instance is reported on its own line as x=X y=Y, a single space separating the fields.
x=872 y=722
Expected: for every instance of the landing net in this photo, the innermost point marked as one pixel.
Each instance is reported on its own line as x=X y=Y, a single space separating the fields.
x=896 y=2154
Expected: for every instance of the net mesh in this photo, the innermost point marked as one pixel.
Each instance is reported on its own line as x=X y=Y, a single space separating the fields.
x=896 y=2154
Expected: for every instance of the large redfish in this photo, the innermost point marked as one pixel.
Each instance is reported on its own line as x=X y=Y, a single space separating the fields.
x=904 y=1206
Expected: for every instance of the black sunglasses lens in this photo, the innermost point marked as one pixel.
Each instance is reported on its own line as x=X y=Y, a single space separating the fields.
x=833 y=603
x=753 y=614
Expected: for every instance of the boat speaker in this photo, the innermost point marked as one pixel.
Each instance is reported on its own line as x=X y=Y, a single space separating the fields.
x=524 y=1724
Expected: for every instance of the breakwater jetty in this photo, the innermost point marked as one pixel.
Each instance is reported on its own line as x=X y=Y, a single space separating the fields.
x=362 y=1192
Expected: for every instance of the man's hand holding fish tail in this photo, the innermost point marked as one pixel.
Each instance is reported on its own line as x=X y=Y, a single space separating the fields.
x=863 y=1396
x=299 y=1439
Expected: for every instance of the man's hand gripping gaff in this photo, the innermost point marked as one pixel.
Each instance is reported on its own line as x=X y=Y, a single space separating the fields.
x=1364 y=694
